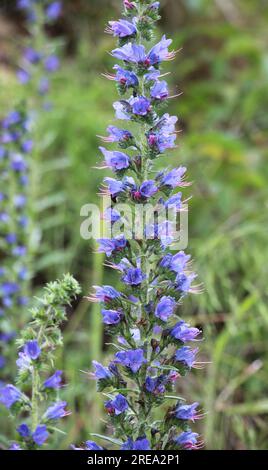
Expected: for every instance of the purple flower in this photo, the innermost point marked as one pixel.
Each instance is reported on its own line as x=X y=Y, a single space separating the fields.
x=110 y=246
x=165 y=308
x=115 y=187
x=11 y=119
x=106 y=293
x=9 y=395
x=140 y=444
x=54 y=381
x=54 y=10
x=178 y=262
x=24 y=430
x=118 y=135
x=101 y=372
x=133 y=359
x=184 y=281
x=40 y=435
x=128 y=5
x=15 y=446
x=120 y=111
x=52 y=63
x=9 y=288
x=111 y=317
x=186 y=355
x=111 y=215
x=32 y=350
x=31 y=55
x=160 y=52
x=115 y=160
x=56 y=411
x=91 y=445
x=126 y=78
x=11 y=238
x=187 y=440
x=174 y=177
x=140 y=106
x=18 y=163
x=187 y=412
x=134 y=277
x=183 y=332
x=19 y=251
x=130 y=53
x=148 y=188
x=174 y=202
x=159 y=91
x=122 y=28
x=23 y=76
x=19 y=200
x=117 y=406
x=27 y=146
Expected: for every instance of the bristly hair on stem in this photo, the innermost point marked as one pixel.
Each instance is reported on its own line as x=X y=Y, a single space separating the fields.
x=151 y=340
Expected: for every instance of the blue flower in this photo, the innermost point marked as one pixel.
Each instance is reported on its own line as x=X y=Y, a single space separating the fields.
x=122 y=28
x=184 y=281
x=24 y=430
x=133 y=359
x=52 y=63
x=165 y=308
x=187 y=412
x=106 y=293
x=54 y=381
x=91 y=445
x=159 y=91
x=187 y=440
x=134 y=277
x=140 y=105
x=111 y=317
x=101 y=372
x=183 y=332
x=115 y=160
x=32 y=56
x=54 y=10
x=118 y=135
x=40 y=435
x=160 y=52
x=9 y=395
x=23 y=76
x=140 y=444
x=186 y=355
x=130 y=53
x=148 y=188
x=174 y=177
x=15 y=446
x=126 y=78
x=32 y=350
x=111 y=245
x=56 y=411
x=117 y=406
x=115 y=187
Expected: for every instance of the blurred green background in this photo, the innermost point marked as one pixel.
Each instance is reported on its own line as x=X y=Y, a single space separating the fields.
x=222 y=70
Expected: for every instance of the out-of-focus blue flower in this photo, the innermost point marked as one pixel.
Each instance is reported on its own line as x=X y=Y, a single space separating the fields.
x=32 y=350
x=54 y=10
x=9 y=395
x=56 y=411
x=54 y=381
x=52 y=63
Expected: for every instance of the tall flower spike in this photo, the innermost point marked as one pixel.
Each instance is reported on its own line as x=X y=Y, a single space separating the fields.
x=36 y=413
x=152 y=341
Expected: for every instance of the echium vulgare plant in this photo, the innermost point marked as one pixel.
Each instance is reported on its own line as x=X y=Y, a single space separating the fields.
x=152 y=343
x=15 y=146
x=39 y=58
x=34 y=401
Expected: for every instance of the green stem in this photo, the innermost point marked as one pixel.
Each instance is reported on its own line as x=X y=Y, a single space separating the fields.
x=35 y=416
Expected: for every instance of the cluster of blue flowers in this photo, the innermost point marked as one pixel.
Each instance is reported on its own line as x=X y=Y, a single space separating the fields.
x=38 y=63
x=42 y=407
x=15 y=146
x=153 y=344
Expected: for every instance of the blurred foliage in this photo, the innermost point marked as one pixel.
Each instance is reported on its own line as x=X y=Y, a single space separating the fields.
x=222 y=71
